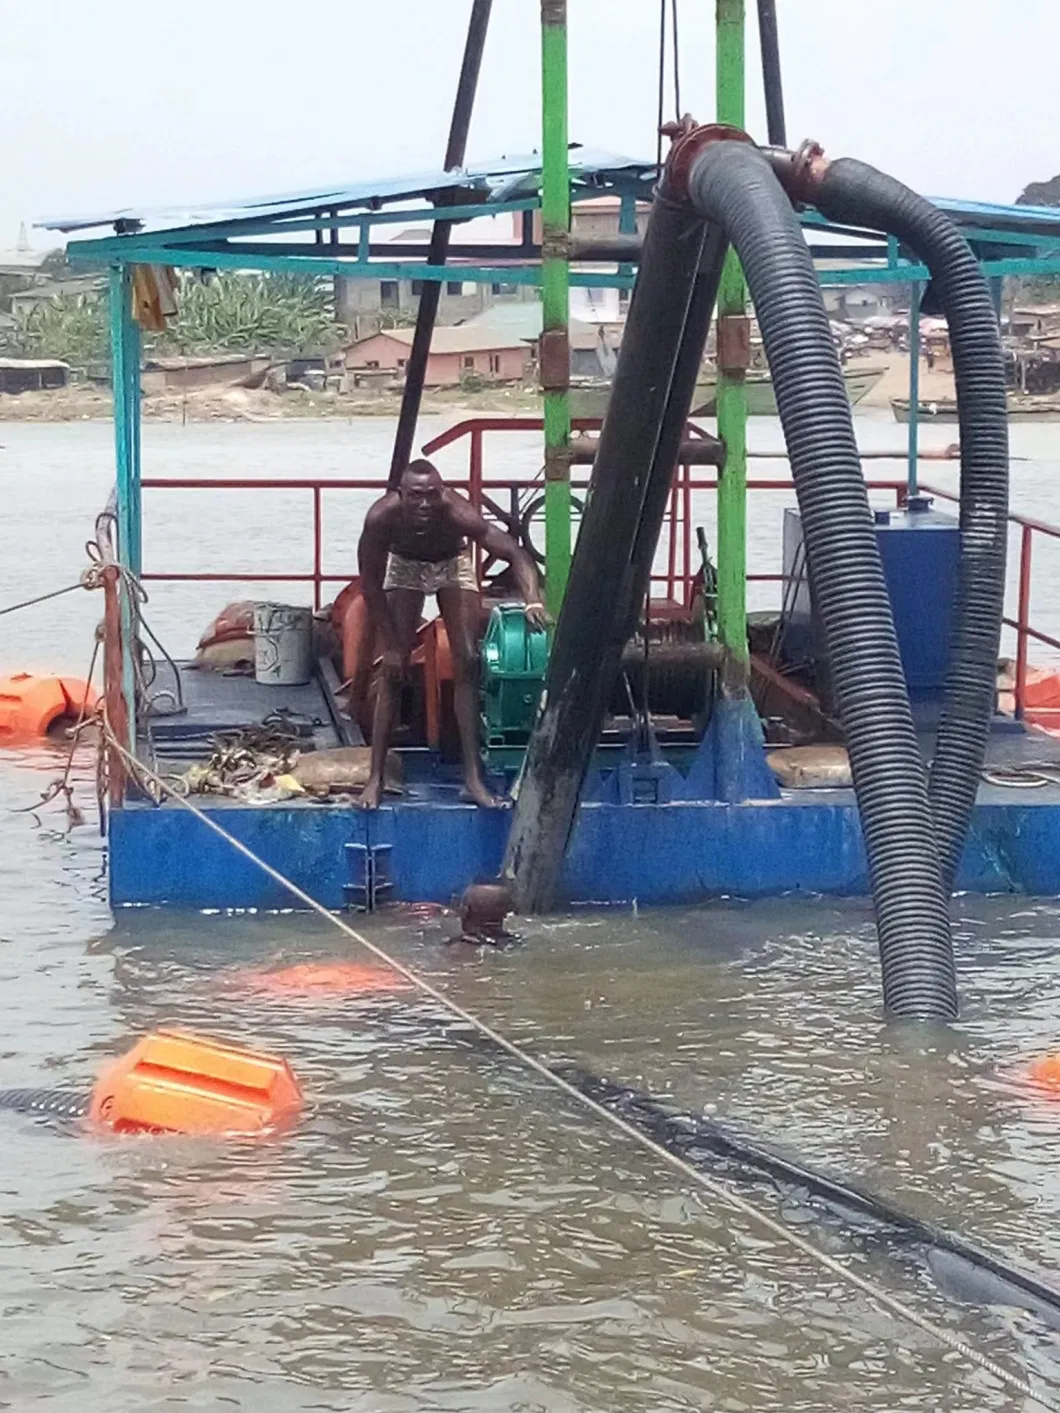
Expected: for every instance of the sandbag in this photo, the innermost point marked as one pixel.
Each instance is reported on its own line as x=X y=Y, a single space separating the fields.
x=811 y=767
x=343 y=769
x=226 y=655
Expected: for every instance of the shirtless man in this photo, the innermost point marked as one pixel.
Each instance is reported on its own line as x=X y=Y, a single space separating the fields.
x=415 y=542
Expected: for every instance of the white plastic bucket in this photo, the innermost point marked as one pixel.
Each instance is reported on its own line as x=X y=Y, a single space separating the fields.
x=283 y=644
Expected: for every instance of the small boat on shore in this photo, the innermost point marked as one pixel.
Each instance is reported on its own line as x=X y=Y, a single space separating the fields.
x=761 y=399
x=944 y=409
x=590 y=399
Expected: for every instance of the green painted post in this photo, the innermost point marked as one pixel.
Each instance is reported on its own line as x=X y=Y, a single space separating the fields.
x=555 y=298
x=732 y=391
x=913 y=452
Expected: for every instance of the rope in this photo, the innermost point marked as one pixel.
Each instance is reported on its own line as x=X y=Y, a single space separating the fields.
x=523 y=1057
x=677 y=66
x=662 y=85
x=55 y=594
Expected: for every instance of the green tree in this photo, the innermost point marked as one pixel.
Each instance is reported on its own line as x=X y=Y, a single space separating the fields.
x=72 y=327
x=277 y=315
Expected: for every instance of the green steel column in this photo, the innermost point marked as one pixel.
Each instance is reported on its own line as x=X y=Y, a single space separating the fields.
x=732 y=391
x=555 y=298
x=913 y=452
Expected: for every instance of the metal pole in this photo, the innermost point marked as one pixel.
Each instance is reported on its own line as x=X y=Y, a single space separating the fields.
x=733 y=351
x=427 y=313
x=914 y=390
x=633 y=470
x=125 y=374
x=771 y=80
x=555 y=299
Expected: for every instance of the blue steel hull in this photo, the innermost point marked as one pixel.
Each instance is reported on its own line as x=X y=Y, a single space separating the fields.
x=683 y=852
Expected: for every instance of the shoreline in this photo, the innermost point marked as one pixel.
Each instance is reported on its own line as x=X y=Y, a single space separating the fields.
x=88 y=402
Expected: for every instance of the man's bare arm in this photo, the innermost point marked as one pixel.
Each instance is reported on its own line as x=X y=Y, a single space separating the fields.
x=501 y=545
x=372 y=551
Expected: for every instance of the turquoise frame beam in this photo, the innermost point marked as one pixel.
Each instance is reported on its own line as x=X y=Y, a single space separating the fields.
x=134 y=254
x=903 y=274
x=125 y=383
x=128 y=250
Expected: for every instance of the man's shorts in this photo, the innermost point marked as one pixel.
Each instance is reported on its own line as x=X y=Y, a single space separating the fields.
x=426 y=576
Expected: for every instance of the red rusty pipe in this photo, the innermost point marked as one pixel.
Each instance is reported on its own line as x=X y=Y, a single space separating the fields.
x=114 y=694
x=1024 y=614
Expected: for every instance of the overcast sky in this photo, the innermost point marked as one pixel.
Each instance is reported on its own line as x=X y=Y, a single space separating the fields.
x=106 y=102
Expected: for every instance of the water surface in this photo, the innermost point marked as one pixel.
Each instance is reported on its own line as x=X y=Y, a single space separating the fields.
x=440 y=1232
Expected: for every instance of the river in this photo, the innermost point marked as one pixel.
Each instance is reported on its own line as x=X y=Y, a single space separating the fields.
x=440 y=1232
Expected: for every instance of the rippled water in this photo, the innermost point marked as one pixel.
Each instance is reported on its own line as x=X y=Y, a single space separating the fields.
x=440 y=1232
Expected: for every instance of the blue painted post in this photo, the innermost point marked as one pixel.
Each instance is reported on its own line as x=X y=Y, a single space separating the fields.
x=125 y=382
x=914 y=390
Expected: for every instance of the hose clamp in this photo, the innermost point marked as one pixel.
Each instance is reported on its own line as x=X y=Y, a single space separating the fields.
x=687 y=147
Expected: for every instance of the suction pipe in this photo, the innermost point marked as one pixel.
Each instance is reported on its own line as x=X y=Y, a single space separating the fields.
x=650 y=400
x=857 y=194
x=731 y=183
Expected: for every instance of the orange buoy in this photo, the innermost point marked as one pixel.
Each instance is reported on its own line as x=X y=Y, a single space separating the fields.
x=1044 y=1072
x=30 y=706
x=319 y=979
x=176 y=1083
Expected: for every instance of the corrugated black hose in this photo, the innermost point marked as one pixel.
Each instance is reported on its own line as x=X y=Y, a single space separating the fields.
x=733 y=184
x=58 y=1103
x=858 y=194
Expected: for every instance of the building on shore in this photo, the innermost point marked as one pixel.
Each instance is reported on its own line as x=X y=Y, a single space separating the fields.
x=19 y=375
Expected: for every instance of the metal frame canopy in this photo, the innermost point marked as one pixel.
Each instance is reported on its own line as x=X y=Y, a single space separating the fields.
x=328 y=231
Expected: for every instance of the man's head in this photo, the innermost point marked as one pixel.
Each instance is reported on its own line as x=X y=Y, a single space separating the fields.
x=421 y=492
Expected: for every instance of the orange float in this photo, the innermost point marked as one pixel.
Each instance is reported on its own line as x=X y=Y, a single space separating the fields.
x=1044 y=1073
x=30 y=706
x=177 y=1083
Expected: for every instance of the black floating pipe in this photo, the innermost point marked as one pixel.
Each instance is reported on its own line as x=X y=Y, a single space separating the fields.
x=846 y=190
x=699 y=1140
x=601 y=598
x=769 y=43
x=675 y=420
x=58 y=1103
x=427 y=313
x=732 y=183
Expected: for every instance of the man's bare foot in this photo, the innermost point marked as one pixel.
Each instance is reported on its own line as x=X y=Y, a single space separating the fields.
x=479 y=794
x=371 y=795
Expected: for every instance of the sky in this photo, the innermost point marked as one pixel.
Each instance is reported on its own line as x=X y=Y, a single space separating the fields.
x=108 y=103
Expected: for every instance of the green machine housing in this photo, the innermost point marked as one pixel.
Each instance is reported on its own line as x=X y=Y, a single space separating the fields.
x=514 y=659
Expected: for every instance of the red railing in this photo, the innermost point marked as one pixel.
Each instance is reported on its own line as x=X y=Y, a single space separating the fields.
x=677 y=579
x=1021 y=623
x=480 y=487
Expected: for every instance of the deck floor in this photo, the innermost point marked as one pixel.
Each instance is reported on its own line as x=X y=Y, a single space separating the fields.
x=217 y=702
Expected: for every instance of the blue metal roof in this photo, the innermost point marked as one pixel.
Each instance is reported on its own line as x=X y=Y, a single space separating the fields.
x=502 y=178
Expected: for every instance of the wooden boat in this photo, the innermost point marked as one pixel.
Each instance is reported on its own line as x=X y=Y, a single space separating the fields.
x=590 y=399
x=761 y=399
x=944 y=409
